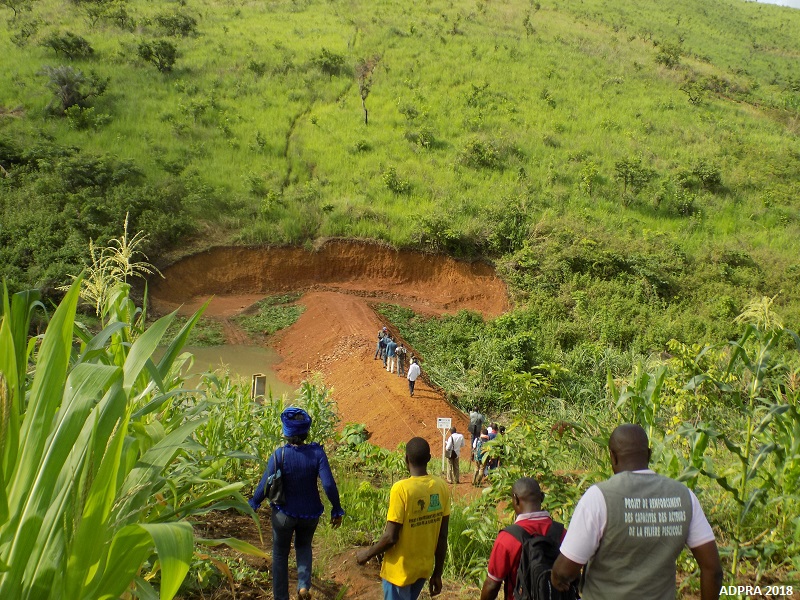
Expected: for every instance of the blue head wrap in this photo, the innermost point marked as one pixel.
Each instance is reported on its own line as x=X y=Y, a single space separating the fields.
x=295 y=421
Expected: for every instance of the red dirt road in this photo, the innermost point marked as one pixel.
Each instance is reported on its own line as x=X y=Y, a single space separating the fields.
x=336 y=334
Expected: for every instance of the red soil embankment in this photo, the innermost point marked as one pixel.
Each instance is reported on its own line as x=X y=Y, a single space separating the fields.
x=336 y=334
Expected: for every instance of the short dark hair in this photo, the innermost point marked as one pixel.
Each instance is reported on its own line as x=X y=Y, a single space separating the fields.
x=527 y=488
x=296 y=440
x=418 y=451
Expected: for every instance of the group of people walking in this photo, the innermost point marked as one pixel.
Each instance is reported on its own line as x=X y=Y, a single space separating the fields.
x=623 y=540
x=479 y=455
x=394 y=356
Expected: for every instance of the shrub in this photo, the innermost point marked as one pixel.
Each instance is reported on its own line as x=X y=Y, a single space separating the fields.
x=509 y=225
x=177 y=24
x=361 y=145
x=69 y=45
x=80 y=118
x=160 y=53
x=633 y=174
x=394 y=182
x=329 y=62
x=480 y=154
x=423 y=137
x=72 y=88
x=669 y=55
x=258 y=68
x=589 y=178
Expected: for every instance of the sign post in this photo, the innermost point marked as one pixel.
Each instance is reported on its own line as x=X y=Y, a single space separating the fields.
x=443 y=423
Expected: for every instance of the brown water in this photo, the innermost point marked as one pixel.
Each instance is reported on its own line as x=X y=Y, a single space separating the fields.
x=242 y=362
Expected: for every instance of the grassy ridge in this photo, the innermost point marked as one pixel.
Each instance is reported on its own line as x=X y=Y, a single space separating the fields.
x=493 y=125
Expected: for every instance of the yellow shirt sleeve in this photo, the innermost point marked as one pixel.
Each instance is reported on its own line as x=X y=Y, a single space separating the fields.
x=397 y=504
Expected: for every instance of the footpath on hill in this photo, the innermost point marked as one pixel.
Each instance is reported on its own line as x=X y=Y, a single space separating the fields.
x=337 y=333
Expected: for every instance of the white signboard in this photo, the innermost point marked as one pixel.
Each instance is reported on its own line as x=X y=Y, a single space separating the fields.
x=443 y=423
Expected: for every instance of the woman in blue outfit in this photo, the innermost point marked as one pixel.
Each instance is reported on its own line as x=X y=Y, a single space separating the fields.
x=300 y=465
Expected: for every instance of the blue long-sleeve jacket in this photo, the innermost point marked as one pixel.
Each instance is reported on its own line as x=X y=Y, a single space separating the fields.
x=301 y=466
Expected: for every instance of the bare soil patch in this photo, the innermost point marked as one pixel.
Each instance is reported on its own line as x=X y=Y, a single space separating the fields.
x=337 y=333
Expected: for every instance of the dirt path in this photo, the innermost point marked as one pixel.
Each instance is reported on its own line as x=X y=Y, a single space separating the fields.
x=336 y=334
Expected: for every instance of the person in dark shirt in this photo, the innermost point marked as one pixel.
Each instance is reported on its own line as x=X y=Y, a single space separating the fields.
x=301 y=464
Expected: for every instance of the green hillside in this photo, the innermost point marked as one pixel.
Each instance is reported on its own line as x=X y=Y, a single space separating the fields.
x=647 y=151
x=631 y=168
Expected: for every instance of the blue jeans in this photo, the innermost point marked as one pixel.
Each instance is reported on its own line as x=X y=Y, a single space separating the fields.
x=408 y=592
x=283 y=527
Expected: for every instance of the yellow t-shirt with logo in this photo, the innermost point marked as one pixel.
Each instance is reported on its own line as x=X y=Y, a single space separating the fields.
x=418 y=504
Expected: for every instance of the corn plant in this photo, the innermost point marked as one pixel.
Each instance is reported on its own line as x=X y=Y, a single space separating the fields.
x=640 y=402
x=765 y=448
x=89 y=492
x=473 y=528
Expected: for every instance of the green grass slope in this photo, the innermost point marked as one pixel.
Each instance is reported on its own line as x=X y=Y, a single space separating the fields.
x=637 y=161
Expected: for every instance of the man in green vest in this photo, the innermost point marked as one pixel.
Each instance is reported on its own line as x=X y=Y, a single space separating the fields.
x=630 y=529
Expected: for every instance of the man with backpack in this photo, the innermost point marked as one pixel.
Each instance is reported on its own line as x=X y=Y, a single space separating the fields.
x=379 y=348
x=523 y=553
x=401 y=353
x=629 y=531
x=479 y=455
x=475 y=425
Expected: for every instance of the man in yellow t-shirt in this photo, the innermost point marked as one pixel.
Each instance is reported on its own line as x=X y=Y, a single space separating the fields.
x=415 y=538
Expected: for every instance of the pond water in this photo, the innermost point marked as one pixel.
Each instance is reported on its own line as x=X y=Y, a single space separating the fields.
x=241 y=361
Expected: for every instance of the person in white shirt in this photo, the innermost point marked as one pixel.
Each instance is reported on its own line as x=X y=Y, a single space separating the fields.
x=413 y=373
x=629 y=530
x=453 y=448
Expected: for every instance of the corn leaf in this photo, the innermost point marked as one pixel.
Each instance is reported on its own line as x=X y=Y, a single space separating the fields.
x=58 y=483
x=239 y=545
x=143 y=348
x=130 y=547
x=175 y=545
x=142 y=480
x=175 y=348
x=19 y=534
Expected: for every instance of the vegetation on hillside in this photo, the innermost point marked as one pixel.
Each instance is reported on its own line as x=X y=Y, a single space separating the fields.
x=637 y=161
x=150 y=456
x=632 y=170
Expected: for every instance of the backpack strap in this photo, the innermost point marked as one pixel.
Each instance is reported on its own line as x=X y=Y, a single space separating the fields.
x=518 y=533
x=555 y=533
x=279 y=461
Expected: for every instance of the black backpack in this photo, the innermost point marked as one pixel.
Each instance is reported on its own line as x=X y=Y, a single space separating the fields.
x=539 y=552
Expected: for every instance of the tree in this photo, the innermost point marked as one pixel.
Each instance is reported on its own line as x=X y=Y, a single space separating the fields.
x=160 y=53
x=68 y=44
x=364 y=72
x=72 y=87
x=17 y=5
